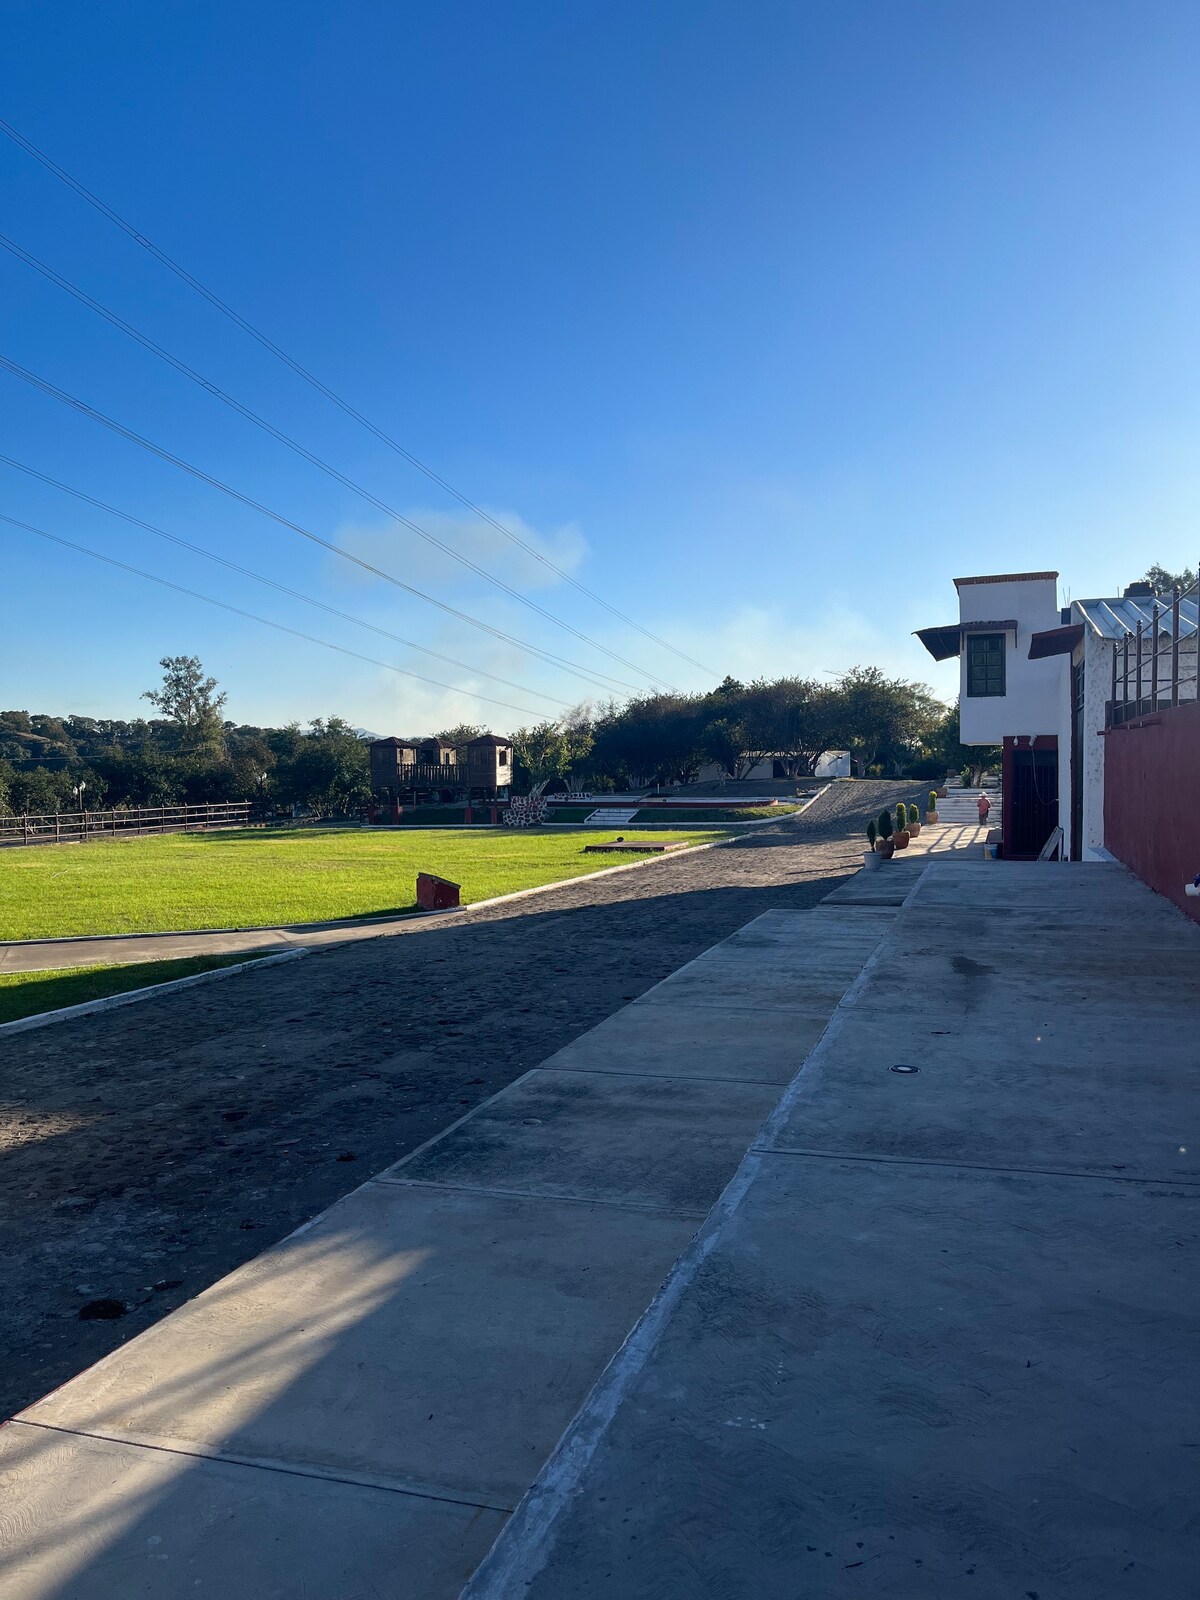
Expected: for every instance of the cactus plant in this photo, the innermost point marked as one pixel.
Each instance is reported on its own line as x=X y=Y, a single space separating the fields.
x=932 y=806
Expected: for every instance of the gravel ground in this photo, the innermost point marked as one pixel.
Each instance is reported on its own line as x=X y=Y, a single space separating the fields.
x=149 y=1151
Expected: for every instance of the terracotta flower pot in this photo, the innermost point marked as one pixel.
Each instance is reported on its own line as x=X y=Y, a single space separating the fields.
x=914 y=830
x=900 y=838
x=931 y=816
x=885 y=848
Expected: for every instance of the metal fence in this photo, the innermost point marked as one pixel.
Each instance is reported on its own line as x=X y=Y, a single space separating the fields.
x=1154 y=666
x=76 y=827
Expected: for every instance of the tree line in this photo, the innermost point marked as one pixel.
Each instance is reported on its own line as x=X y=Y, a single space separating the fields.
x=890 y=726
x=190 y=754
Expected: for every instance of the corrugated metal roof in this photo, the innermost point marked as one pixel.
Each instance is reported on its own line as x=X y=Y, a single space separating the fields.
x=1115 y=619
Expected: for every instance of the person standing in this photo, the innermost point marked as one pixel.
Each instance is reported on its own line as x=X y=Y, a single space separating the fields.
x=985 y=805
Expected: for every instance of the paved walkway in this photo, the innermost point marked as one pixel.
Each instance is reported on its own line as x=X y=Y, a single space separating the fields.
x=358 y=1410
x=939 y=1335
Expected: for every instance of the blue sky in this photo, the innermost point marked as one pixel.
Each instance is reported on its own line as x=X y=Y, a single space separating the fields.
x=764 y=320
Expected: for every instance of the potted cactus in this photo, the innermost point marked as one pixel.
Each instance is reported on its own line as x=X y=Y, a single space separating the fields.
x=931 y=807
x=900 y=834
x=870 y=857
x=885 y=845
x=914 y=819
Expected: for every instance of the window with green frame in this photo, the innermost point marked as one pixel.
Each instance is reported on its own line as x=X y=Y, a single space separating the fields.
x=985 y=664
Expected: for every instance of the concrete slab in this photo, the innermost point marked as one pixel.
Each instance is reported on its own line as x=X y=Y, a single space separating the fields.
x=1027 y=1055
x=663 y=1144
x=789 y=929
x=357 y=1348
x=913 y=1383
x=959 y=1360
x=888 y=885
x=993 y=1103
x=89 y=1519
x=685 y=1042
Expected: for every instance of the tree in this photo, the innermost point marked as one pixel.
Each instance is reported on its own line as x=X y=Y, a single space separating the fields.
x=330 y=771
x=1162 y=581
x=189 y=700
x=885 y=719
x=945 y=742
x=724 y=744
x=550 y=750
x=462 y=733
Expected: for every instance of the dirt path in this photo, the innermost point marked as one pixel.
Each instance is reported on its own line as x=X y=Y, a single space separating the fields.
x=148 y=1151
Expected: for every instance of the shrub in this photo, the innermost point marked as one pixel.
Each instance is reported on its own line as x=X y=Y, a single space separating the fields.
x=871 y=834
x=885 y=824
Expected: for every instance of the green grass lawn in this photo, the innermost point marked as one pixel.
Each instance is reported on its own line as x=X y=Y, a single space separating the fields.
x=254 y=879
x=27 y=994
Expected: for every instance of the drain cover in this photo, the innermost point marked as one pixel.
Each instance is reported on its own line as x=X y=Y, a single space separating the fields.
x=902 y=1068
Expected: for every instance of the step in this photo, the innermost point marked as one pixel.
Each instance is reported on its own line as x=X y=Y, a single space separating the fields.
x=610 y=817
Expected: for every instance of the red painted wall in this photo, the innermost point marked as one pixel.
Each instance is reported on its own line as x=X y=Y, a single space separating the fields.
x=1151 y=786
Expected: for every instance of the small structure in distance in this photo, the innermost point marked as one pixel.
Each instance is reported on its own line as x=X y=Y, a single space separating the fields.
x=410 y=772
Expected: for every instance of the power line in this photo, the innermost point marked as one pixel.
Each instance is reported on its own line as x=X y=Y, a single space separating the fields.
x=589 y=675
x=224 y=605
x=301 y=450
x=323 y=388
x=211 y=555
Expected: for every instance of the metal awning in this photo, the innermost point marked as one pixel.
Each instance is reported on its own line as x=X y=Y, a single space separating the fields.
x=944 y=642
x=1055 y=641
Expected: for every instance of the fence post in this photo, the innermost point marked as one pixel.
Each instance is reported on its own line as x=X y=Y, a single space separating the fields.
x=25 y=826
x=1138 y=702
x=1112 y=704
x=1154 y=658
x=1175 y=646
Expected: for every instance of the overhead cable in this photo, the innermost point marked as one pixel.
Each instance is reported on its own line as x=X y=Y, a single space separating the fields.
x=246 y=572
x=301 y=450
x=591 y=675
x=251 y=616
x=323 y=388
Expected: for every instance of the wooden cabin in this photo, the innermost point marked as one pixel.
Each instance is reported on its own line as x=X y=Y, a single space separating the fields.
x=413 y=771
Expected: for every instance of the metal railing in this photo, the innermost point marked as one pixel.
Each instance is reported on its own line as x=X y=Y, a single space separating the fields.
x=1154 y=666
x=76 y=827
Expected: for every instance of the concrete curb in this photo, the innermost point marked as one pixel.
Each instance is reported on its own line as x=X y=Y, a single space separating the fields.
x=131 y=996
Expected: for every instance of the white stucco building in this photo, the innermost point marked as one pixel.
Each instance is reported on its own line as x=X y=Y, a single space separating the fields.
x=1036 y=678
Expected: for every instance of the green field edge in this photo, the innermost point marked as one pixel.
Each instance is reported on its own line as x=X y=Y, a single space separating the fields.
x=32 y=994
x=513 y=881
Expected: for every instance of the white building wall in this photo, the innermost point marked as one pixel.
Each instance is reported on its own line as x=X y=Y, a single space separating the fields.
x=833 y=764
x=1097 y=654
x=1035 y=691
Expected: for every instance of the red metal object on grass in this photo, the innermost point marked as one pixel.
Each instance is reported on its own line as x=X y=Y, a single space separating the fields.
x=436 y=894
